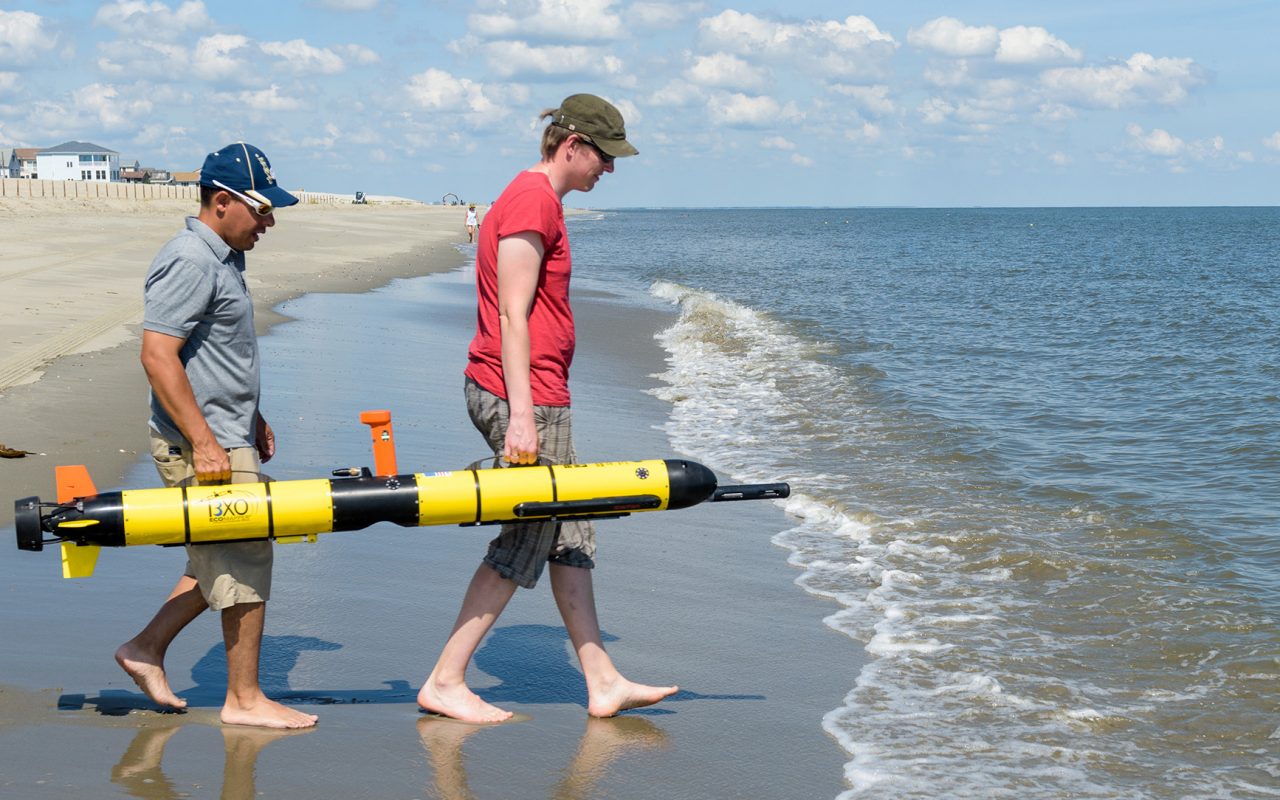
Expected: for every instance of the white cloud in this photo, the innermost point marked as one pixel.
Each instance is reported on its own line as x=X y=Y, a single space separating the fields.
x=658 y=15
x=725 y=71
x=1141 y=80
x=1024 y=45
x=550 y=20
x=1060 y=159
x=214 y=57
x=437 y=90
x=299 y=57
x=160 y=136
x=23 y=37
x=935 y=110
x=326 y=142
x=268 y=99
x=948 y=74
x=998 y=105
x=743 y=111
x=801 y=160
x=869 y=132
x=143 y=58
x=358 y=54
x=1054 y=112
x=950 y=36
x=679 y=93
x=8 y=81
x=133 y=17
x=347 y=5
x=826 y=48
x=1019 y=44
x=1272 y=142
x=105 y=102
x=777 y=143
x=874 y=99
x=1158 y=142
x=508 y=59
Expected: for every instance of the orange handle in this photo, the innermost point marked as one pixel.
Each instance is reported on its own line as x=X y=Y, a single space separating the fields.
x=384 y=441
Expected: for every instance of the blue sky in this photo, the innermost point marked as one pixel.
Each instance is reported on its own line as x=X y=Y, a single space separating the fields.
x=731 y=102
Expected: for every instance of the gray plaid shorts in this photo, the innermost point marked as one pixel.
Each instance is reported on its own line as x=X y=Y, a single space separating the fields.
x=522 y=550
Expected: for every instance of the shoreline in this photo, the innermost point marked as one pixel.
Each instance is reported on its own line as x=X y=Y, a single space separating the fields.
x=80 y=395
x=698 y=597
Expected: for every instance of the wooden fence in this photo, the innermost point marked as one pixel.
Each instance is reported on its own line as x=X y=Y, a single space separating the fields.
x=90 y=190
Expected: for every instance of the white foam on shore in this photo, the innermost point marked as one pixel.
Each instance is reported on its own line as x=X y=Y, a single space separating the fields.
x=974 y=684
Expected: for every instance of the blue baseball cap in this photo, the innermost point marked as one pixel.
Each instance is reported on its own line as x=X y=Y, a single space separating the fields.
x=244 y=169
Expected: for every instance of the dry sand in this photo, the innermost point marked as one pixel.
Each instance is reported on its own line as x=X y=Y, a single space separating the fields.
x=71 y=281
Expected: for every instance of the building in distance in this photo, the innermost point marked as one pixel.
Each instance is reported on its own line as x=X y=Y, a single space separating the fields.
x=77 y=161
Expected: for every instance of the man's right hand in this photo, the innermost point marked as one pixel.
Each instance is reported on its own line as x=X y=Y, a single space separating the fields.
x=211 y=463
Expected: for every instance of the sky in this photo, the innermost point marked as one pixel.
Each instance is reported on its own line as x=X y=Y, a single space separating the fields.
x=730 y=102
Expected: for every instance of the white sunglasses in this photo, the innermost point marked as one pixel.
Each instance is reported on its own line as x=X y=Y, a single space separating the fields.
x=260 y=205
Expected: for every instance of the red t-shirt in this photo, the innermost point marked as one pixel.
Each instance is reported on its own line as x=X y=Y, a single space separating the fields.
x=527 y=204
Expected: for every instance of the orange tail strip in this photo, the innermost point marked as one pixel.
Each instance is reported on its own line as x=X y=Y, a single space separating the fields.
x=73 y=482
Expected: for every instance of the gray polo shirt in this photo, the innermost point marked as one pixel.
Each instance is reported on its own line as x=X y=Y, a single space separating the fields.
x=195 y=291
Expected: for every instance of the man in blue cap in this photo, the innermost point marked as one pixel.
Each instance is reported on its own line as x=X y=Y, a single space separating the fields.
x=200 y=353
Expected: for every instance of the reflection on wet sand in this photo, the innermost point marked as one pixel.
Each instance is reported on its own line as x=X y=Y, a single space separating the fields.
x=139 y=772
x=603 y=741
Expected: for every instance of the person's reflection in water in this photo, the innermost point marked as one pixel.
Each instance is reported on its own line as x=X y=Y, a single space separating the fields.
x=139 y=773
x=443 y=737
x=242 y=745
x=603 y=741
x=138 y=770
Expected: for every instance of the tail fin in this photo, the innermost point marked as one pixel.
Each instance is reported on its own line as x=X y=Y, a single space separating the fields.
x=78 y=561
x=73 y=482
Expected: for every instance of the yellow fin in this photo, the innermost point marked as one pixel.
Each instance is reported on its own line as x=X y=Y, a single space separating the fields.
x=78 y=561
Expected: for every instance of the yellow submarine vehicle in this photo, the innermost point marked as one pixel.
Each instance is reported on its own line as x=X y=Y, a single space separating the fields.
x=83 y=520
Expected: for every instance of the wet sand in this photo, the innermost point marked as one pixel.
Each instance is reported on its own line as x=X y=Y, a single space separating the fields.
x=696 y=597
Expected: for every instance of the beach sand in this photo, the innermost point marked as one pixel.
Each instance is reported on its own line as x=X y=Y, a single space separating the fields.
x=697 y=597
x=72 y=277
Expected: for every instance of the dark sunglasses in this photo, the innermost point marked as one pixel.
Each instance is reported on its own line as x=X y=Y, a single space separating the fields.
x=604 y=157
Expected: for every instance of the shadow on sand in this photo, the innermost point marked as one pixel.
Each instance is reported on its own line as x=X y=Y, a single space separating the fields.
x=532 y=664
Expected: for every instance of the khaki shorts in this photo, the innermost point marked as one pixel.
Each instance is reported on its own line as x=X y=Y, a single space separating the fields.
x=228 y=574
x=522 y=550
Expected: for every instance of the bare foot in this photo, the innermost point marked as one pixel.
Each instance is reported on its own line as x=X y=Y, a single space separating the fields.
x=148 y=673
x=459 y=702
x=622 y=695
x=266 y=713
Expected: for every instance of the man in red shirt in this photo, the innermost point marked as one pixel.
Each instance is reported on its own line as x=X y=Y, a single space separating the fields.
x=517 y=389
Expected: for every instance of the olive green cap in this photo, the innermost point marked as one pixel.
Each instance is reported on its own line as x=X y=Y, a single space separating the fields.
x=598 y=120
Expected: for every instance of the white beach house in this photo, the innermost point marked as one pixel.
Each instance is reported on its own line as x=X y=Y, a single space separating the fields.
x=78 y=161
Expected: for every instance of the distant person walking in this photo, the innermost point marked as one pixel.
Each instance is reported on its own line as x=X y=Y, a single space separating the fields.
x=200 y=353
x=517 y=392
x=473 y=222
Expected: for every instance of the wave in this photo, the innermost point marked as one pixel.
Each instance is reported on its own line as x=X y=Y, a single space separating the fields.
x=1014 y=636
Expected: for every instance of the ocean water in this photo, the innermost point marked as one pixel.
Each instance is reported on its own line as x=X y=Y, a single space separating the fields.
x=1035 y=460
